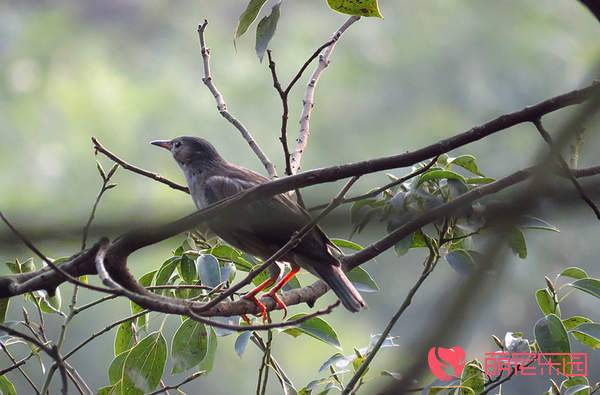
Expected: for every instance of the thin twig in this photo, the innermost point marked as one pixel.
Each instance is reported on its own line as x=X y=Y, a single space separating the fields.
x=191 y=377
x=17 y=365
x=565 y=166
x=495 y=384
x=222 y=107
x=384 y=188
x=43 y=257
x=127 y=166
x=309 y=95
x=104 y=187
x=262 y=327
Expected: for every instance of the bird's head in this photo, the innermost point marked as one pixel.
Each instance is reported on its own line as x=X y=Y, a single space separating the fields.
x=186 y=150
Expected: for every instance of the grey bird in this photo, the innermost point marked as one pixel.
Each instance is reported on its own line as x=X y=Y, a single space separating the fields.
x=260 y=227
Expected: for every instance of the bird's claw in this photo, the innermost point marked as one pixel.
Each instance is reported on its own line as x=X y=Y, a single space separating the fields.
x=261 y=306
x=279 y=302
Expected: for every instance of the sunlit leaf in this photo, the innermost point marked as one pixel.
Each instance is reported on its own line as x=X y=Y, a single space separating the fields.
x=575 y=321
x=125 y=338
x=315 y=327
x=362 y=280
x=467 y=162
x=144 y=365
x=6 y=387
x=435 y=175
x=588 y=334
x=115 y=370
x=516 y=241
x=546 y=303
x=589 y=285
x=209 y=360
x=473 y=378
x=574 y=272
x=189 y=346
x=356 y=7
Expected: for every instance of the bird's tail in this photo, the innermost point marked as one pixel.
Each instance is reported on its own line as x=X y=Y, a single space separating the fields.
x=342 y=287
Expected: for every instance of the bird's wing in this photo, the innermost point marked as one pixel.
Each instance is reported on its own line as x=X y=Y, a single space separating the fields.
x=273 y=220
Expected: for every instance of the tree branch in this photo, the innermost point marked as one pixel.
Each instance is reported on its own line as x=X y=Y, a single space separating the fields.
x=309 y=95
x=222 y=106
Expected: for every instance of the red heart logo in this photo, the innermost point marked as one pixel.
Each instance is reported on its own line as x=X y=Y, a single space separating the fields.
x=450 y=358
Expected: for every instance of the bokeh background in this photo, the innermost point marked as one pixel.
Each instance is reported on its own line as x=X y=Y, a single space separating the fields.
x=129 y=71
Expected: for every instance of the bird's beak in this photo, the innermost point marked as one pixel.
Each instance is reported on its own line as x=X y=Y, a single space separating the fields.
x=166 y=144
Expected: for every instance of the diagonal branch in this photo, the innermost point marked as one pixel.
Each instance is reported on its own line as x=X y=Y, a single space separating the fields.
x=565 y=166
x=222 y=106
x=309 y=95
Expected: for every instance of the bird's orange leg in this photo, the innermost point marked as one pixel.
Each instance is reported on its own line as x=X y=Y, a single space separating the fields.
x=273 y=292
x=252 y=296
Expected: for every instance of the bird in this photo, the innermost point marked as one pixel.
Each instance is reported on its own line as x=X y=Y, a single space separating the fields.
x=262 y=226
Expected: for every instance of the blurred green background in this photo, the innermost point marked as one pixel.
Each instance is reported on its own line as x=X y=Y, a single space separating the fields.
x=129 y=71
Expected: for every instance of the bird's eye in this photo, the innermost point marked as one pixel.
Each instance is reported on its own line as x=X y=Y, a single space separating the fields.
x=177 y=144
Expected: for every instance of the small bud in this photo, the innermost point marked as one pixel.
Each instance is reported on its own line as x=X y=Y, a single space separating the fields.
x=550 y=285
x=498 y=342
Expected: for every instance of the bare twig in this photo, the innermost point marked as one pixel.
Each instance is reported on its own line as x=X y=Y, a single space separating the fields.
x=17 y=365
x=565 y=166
x=309 y=95
x=191 y=377
x=125 y=165
x=105 y=187
x=222 y=106
x=43 y=257
x=263 y=327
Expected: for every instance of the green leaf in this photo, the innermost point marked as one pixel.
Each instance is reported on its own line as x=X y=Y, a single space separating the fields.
x=187 y=269
x=108 y=390
x=166 y=271
x=248 y=16
x=472 y=377
x=516 y=241
x=347 y=244
x=242 y=342
x=574 y=272
x=265 y=31
x=208 y=361
x=356 y=7
x=575 y=321
x=6 y=387
x=362 y=280
x=144 y=366
x=461 y=261
x=3 y=309
x=333 y=360
x=208 y=269
x=189 y=345
x=551 y=337
x=546 y=302
x=467 y=162
x=51 y=304
x=228 y=253
x=589 y=285
x=531 y=222
x=27 y=266
x=115 y=370
x=402 y=247
x=588 y=334
x=437 y=174
x=576 y=386
x=125 y=338
x=315 y=327
x=145 y=281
